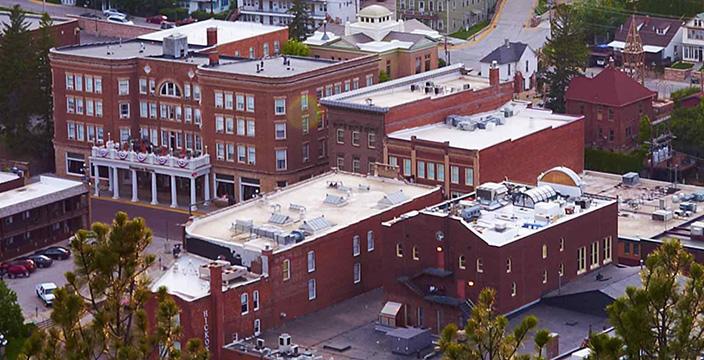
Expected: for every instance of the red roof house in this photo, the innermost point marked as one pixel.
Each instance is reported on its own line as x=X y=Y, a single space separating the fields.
x=612 y=104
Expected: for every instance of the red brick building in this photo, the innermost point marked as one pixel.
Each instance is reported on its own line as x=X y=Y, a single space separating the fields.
x=514 y=142
x=173 y=118
x=523 y=241
x=361 y=120
x=612 y=104
x=296 y=251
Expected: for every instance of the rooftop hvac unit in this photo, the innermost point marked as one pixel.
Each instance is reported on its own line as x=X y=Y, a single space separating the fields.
x=233 y=272
x=697 y=229
x=688 y=206
x=470 y=213
x=662 y=215
x=508 y=111
x=285 y=343
x=260 y=344
x=467 y=126
x=467 y=86
x=630 y=179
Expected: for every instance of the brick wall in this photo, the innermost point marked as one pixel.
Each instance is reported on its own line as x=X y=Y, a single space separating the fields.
x=98 y=27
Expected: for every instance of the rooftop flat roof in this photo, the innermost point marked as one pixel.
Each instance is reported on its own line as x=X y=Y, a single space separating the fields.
x=637 y=203
x=7 y=176
x=46 y=190
x=380 y=97
x=318 y=206
x=524 y=122
x=274 y=67
x=118 y=50
x=228 y=31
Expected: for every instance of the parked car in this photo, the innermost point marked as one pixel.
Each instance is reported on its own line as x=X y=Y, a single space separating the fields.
x=119 y=20
x=42 y=261
x=167 y=25
x=45 y=292
x=55 y=252
x=27 y=263
x=157 y=19
x=113 y=12
x=13 y=270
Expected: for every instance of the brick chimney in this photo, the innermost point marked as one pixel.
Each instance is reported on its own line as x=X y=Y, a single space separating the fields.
x=217 y=310
x=212 y=37
x=552 y=348
x=212 y=40
x=494 y=74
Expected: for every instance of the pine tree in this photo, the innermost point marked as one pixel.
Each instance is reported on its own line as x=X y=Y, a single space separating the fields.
x=486 y=335
x=662 y=319
x=301 y=21
x=11 y=321
x=605 y=347
x=43 y=130
x=564 y=55
x=101 y=313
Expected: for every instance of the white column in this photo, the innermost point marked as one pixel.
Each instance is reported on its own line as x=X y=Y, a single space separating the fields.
x=110 y=180
x=134 y=186
x=193 y=193
x=115 y=184
x=154 y=202
x=206 y=185
x=97 y=180
x=215 y=187
x=174 y=202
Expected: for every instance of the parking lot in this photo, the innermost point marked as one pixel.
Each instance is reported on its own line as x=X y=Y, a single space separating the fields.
x=34 y=309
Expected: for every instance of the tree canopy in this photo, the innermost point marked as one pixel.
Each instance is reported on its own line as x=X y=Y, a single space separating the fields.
x=486 y=335
x=11 y=321
x=301 y=22
x=295 y=47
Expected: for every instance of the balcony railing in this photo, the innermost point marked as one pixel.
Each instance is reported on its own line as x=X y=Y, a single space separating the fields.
x=144 y=158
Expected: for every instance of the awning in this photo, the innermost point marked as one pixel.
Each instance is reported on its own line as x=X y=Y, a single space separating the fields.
x=391 y=308
x=619 y=45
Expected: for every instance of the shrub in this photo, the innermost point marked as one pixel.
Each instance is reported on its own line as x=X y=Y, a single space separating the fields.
x=682 y=65
x=613 y=162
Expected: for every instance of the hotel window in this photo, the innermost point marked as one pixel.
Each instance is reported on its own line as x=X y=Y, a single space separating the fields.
x=370 y=241
x=357 y=273
x=311 y=289
x=70 y=104
x=252 y=54
x=152 y=86
x=79 y=105
x=91 y=132
x=197 y=118
x=187 y=90
x=356 y=165
x=228 y=101
x=196 y=92
x=189 y=140
x=338 y=88
x=71 y=128
x=562 y=269
x=239 y=102
x=250 y=103
x=241 y=153
x=89 y=84
x=123 y=87
x=508 y=265
x=441 y=172
x=79 y=83
x=431 y=171
x=322 y=148
x=513 y=289
x=420 y=168
x=305 y=152
x=250 y=128
x=240 y=127
x=594 y=255
x=545 y=251
x=219 y=100
x=98 y=85
x=414 y=253
x=198 y=142
x=370 y=80
x=606 y=245
x=124 y=110
x=219 y=149
x=124 y=134
x=545 y=276
x=340 y=162
x=311 y=261
x=581 y=260
x=328 y=90
x=251 y=155
x=280 y=159
x=277 y=48
x=244 y=301
x=406 y=167
x=219 y=124
x=348 y=84
x=356 y=246
x=143 y=109
x=230 y=155
x=399 y=250
x=480 y=265
x=279 y=106
x=229 y=125
x=371 y=140
x=143 y=86
x=469 y=176
x=188 y=117
x=340 y=136
x=305 y=124
x=280 y=130
x=562 y=244
x=355 y=84
x=393 y=161
x=255 y=300
x=286 y=266
x=304 y=101
x=152 y=110
x=69 y=81
x=74 y=164
x=462 y=262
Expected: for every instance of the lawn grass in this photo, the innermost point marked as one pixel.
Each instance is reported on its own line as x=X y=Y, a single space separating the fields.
x=465 y=34
x=682 y=65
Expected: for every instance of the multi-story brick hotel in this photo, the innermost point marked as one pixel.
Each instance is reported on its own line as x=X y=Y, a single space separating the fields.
x=178 y=116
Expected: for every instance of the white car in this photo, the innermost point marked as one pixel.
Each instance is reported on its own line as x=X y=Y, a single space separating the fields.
x=45 y=292
x=119 y=20
x=113 y=12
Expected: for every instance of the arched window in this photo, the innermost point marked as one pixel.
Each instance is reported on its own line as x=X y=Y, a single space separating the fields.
x=170 y=89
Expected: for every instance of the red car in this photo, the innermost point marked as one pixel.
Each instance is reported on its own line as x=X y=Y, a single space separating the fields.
x=157 y=19
x=27 y=263
x=13 y=270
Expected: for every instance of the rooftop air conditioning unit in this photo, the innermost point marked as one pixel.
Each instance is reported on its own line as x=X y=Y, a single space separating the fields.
x=467 y=86
x=285 y=343
x=662 y=215
x=260 y=344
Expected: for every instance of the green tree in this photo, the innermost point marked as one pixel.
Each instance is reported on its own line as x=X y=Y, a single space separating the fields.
x=11 y=321
x=486 y=335
x=605 y=347
x=100 y=313
x=384 y=76
x=564 y=55
x=295 y=48
x=601 y=18
x=675 y=8
x=43 y=130
x=662 y=318
x=301 y=21
x=687 y=125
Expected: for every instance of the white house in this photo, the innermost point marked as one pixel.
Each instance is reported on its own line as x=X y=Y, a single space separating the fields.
x=275 y=12
x=513 y=58
x=693 y=39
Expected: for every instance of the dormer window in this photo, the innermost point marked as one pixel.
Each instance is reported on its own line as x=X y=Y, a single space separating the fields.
x=170 y=89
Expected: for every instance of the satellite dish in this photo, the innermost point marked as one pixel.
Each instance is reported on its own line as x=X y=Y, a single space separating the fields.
x=439 y=235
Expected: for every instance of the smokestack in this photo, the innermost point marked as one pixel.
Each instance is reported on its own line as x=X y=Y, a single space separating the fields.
x=494 y=74
x=212 y=36
x=213 y=57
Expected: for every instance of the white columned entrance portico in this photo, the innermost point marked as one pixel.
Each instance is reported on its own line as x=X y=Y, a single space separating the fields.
x=97 y=180
x=206 y=185
x=174 y=201
x=193 y=194
x=115 y=183
x=134 y=186
x=154 y=200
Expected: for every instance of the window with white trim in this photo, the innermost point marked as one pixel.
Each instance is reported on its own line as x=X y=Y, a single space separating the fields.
x=78 y=82
x=508 y=265
x=581 y=260
x=244 y=301
x=255 y=300
x=281 y=155
x=123 y=87
x=229 y=102
x=357 y=269
x=420 y=168
x=251 y=155
x=469 y=176
x=219 y=100
x=514 y=289
x=286 y=267
x=250 y=128
x=311 y=289
x=98 y=85
x=257 y=327
x=69 y=81
x=480 y=265
x=239 y=102
x=399 y=250
x=75 y=163
x=370 y=240
x=356 y=247
x=606 y=245
x=280 y=130
x=250 y=103
x=406 y=167
x=280 y=106
x=594 y=255
x=143 y=86
x=311 y=261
